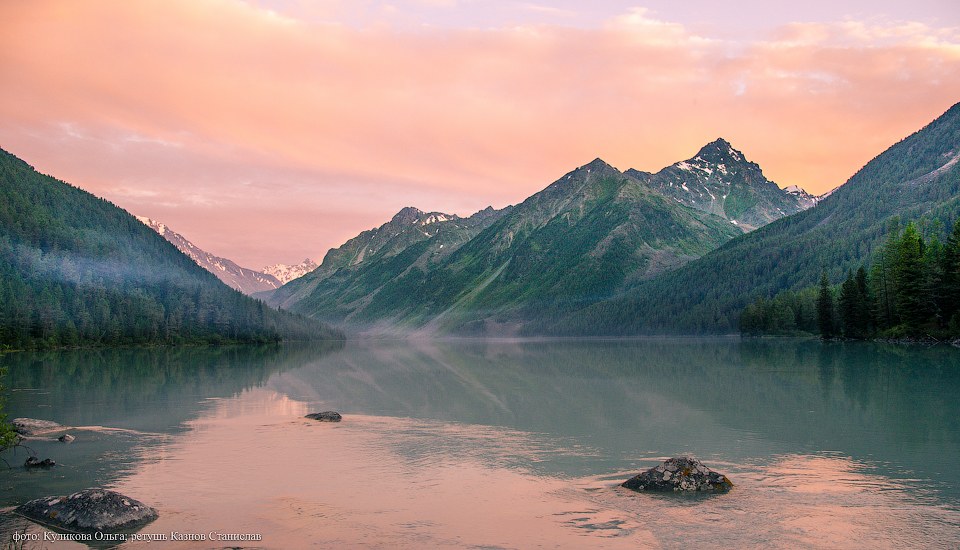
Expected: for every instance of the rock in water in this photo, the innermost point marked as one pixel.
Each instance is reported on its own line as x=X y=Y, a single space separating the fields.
x=34 y=462
x=66 y=438
x=326 y=416
x=684 y=473
x=89 y=511
x=33 y=427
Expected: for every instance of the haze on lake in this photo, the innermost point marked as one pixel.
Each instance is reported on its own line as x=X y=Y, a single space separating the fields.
x=507 y=444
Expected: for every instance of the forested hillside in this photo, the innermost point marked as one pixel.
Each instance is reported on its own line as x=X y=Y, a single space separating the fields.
x=75 y=270
x=912 y=289
x=593 y=231
x=918 y=179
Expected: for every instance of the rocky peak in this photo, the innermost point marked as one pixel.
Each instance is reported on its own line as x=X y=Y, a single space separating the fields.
x=597 y=167
x=719 y=159
x=408 y=214
x=720 y=150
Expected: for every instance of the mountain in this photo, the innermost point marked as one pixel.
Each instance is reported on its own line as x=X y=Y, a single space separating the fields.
x=245 y=280
x=720 y=180
x=804 y=199
x=917 y=179
x=285 y=273
x=76 y=270
x=591 y=234
x=412 y=238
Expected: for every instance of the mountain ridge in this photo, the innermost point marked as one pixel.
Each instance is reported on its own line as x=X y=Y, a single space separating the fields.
x=720 y=179
x=247 y=281
x=592 y=232
x=916 y=179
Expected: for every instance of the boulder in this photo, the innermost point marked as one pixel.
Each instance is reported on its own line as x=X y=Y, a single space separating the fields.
x=30 y=427
x=34 y=462
x=66 y=438
x=89 y=511
x=684 y=473
x=326 y=416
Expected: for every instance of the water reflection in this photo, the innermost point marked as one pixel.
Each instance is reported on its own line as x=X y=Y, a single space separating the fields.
x=513 y=444
x=148 y=393
x=630 y=400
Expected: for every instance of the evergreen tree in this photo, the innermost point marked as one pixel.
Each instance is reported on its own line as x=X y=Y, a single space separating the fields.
x=850 y=303
x=864 y=312
x=825 y=314
x=909 y=278
x=950 y=267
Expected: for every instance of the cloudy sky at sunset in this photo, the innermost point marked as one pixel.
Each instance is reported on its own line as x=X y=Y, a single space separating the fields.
x=270 y=131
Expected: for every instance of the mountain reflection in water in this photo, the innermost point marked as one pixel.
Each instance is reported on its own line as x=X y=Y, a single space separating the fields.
x=513 y=444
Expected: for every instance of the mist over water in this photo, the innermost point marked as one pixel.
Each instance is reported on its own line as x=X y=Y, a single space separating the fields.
x=509 y=444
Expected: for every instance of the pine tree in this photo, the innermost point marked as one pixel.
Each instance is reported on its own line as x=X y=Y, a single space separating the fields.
x=908 y=276
x=864 y=312
x=849 y=305
x=950 y=266
x=825 y=316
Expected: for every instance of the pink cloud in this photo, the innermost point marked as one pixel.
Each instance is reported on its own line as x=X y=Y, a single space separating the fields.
x=220 y=118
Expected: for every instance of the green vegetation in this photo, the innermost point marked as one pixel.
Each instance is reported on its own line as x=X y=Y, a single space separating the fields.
x=587 y=236
x=8 y=438
x=916 y=179
x=911 y=291
x=76 y=270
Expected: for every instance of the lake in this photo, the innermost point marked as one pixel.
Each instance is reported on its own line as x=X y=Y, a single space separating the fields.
x=504 y=444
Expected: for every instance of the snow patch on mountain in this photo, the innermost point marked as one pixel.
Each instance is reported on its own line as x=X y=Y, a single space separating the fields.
x=245 y=280
x=286 y=273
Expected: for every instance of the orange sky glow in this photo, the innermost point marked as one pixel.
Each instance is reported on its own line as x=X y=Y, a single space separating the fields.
x=265 y=137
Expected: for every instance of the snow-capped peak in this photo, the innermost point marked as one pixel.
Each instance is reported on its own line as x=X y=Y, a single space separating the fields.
x=286 y=273
x=153 y=224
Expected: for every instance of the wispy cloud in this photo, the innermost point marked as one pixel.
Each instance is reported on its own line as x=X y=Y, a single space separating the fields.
x=365 y=119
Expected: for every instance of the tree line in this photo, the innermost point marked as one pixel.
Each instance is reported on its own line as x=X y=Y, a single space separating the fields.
x=912 y=289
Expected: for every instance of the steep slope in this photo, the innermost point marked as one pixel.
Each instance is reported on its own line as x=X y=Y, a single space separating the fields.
x=362 y=265
x=245 y=280
x=720 y=180
x=918 y=178
x=590 y=233
x=286 y=273
x=77 y=270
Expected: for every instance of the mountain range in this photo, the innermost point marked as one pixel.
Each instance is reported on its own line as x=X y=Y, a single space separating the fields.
x=596 y=252
x=592 y=234
x=76 y=270
x=247 y=281
x=916 y=179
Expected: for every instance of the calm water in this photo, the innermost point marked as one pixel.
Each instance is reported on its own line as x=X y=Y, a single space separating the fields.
x=493 y=444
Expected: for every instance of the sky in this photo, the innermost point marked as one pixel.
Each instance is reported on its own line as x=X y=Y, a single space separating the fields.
x=271 y=131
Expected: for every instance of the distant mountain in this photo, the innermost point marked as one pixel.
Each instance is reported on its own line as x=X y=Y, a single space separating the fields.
x=917 y=179
x=286 y=273
x=75 y=270
x=804 y=199
x=245 y=280
x=720 y=180
x=411 y=239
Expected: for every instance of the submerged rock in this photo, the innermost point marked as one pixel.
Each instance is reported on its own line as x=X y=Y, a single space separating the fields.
x=684 y=473
x=326 y=416
x=32 y=427
x=34 y=462
x=89 y=511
